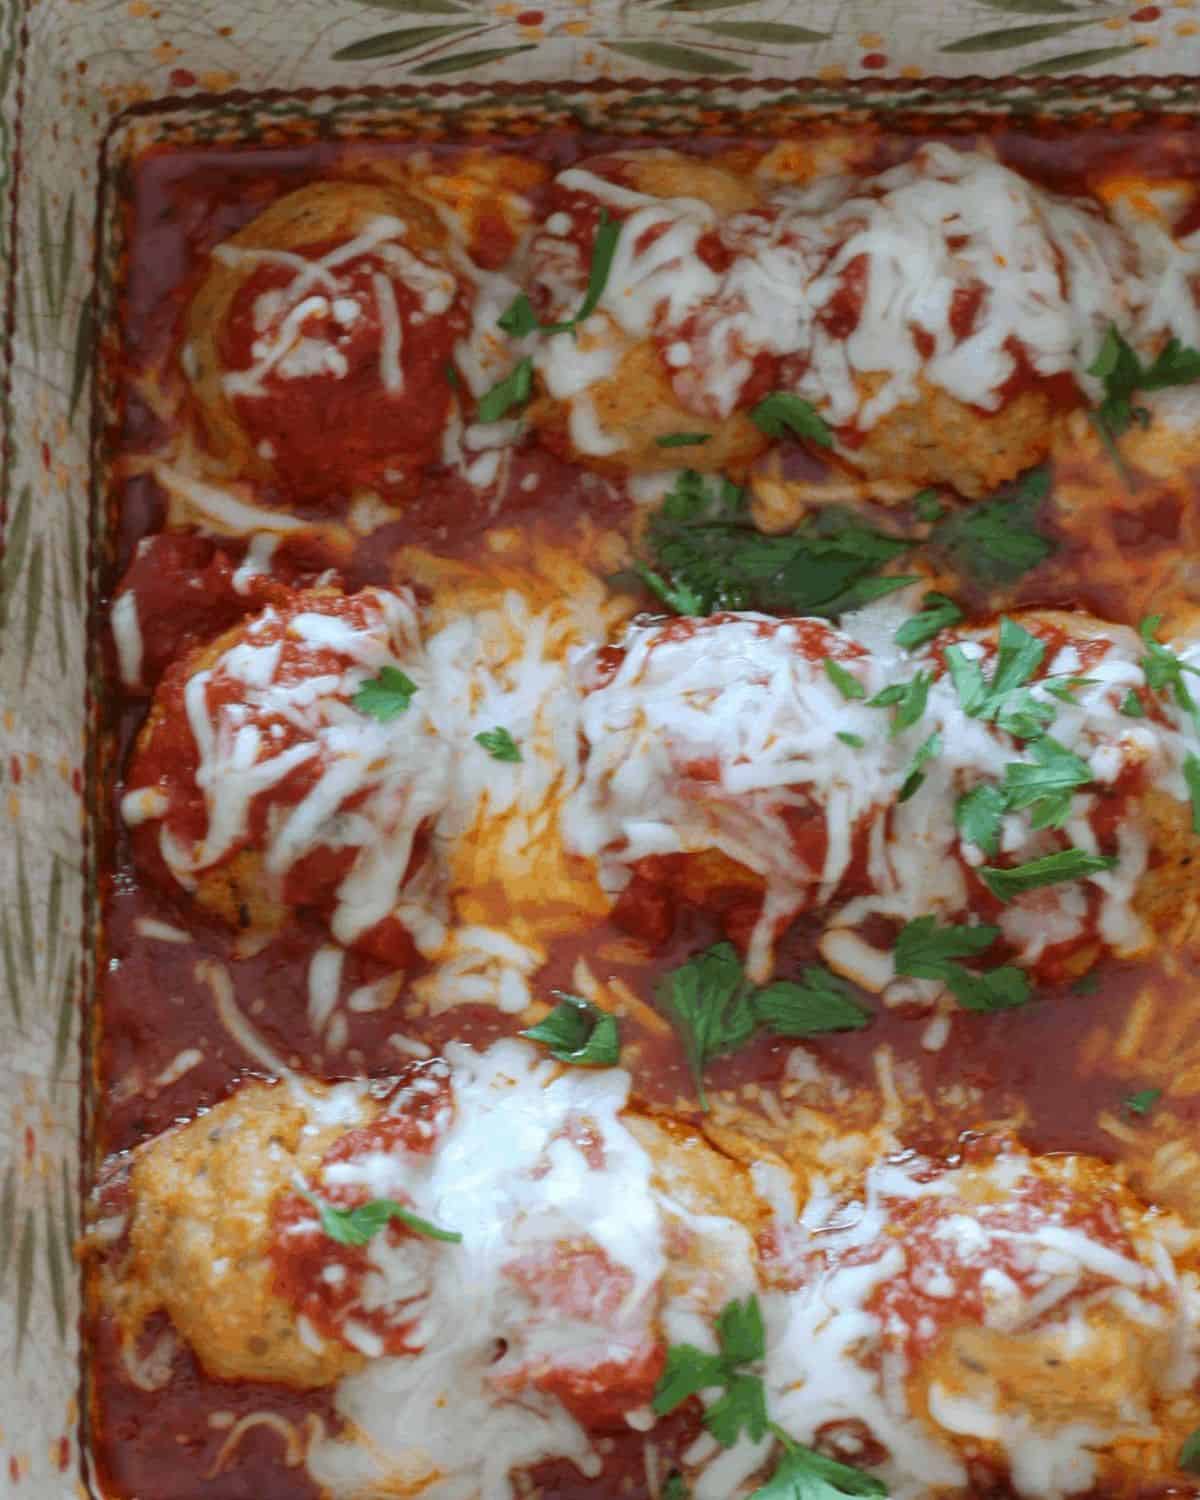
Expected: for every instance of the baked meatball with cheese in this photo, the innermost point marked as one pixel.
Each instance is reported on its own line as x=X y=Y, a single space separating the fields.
x=291 y=763
x=747 y=765
x=926 y=325
x=318 y=343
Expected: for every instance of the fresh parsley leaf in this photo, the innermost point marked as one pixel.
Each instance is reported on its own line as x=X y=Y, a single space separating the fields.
x=1086 y=984
x=1142 y=1102
x=927 y=507
x=910 y=703
x=453 y=378
x=1018 y=656
x=1047 y=785
x=856 y=741
x=1132 y=706
x=708 y=1001
x=1051 y=869
x=1189 y=1454
x=1006 y=699
x=804 y=1474
x=499 y=744
x=969 y=682
x=519 y=318
x=978 y=814
x=687 y=1372
x=513 y=390
x=676 y=1487
x=742 y=1405
x=916 y=773
x=703 y=554
x=358 y=1226
x=814 y=1004
x=1123 y=374
x=926 y=951
x=781 y=413
x=1065 y=689
x=682 y=439
x=743 y=1408
x=998 y=540
x=740 y=1331
x=845 y=682
x=385 y=697
x=604 y=247
x=937 y=613
x=1164 y=670
x=1191 y=774
x=578 y=1032
x=889 y=696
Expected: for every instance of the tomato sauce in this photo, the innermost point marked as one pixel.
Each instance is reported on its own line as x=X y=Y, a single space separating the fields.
x=155 y=1003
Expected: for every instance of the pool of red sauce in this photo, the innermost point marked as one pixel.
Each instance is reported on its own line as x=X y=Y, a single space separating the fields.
x=161 y=1445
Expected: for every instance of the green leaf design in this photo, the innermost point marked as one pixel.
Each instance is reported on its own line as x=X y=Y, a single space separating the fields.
x=11 y=979
x=24 y=1294
x=419 y=7
x=68 y=1198
x=766 y=31
x=1016 y=36
x=46 y=254
x=35 y=583
x=702 y=5
x=1031 y=7
x=1071 y=62
x=53 y=914
x=8 y=1218
x=74 y=557
x=56 y=615
x=66 y=1013
x=461 y=60
x=678 y=59
x=25 y=914
x=14 y=550
x=393 y=43
x=66 y=255
x=81 y=362
x=31 y=303
x=56 y=1273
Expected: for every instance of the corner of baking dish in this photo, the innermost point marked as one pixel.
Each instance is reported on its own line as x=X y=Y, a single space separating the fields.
x=83 y=87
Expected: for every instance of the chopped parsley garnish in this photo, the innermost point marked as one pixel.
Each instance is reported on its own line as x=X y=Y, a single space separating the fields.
x=1046 y=786
x=926 y=951
x=358 y=1226
x=682 y=439
x=1051 y=869
x=804 y=1474
x=1165 y=671
x=513 y=390
x=1189 y=1454
x=1123 y=373
x=704 y=554
x=855 y=741
x=499 y=744
x=916 y=772
x=907 y=698
x=715 y=1009
x=742 y=1407
x=927 y=507
x=453 y=378
x=1132 y=706
x=937 y=613
x=519 y=318
x=1064 y=689
x=998 y=540
x=385 y=697
x=845 y=682
x=1086 y=984
x=978 y=814
x=1191 y=774
x=1142 y=1102
x=1005 y=700
x=781 y=413
x=578 y=1032
x=676 y=1487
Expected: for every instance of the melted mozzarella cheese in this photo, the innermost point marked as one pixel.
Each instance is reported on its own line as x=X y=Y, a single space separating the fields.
x=509 y=1177
x=1050 y=276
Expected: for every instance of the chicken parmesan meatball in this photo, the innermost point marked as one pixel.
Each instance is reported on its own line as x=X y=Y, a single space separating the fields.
x=999 y=1319
x=765 y=768
x=318 y=343
x=292 y=764
x=926 y=325
x=488 y=1254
